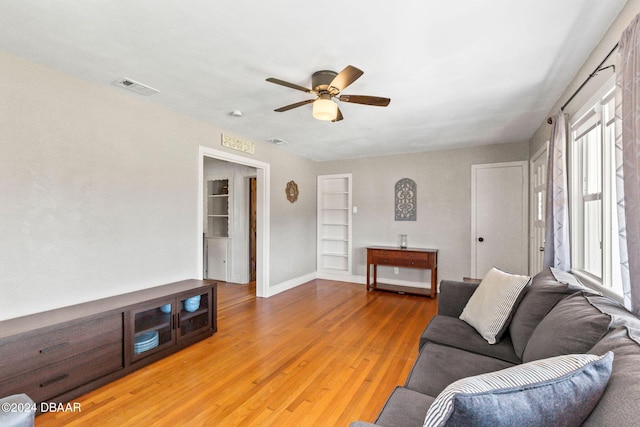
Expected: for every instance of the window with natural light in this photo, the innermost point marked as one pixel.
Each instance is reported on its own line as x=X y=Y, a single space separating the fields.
x=594 y=225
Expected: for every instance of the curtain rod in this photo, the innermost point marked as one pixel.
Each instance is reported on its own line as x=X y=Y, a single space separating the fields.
x=592 y=75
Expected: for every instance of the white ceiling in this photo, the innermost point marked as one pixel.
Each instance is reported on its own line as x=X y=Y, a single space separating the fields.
x=458 y=73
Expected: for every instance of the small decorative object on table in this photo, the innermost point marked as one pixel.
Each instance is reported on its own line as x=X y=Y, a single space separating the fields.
x=403 y=241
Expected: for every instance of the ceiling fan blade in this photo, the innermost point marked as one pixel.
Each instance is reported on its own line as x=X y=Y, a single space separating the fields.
x=296 y=105
x=366 y=100
x=338 y=117
x=287 y=84
x=347 y=76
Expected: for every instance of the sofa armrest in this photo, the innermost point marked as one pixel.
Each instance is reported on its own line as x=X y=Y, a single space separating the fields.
x=453 y=297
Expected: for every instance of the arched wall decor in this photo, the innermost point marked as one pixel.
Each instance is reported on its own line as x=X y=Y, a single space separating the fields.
x=406 y=203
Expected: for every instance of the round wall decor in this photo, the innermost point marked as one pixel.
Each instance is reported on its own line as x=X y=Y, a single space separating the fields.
x=292 y=191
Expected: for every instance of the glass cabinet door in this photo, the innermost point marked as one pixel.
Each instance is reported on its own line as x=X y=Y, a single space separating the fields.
x=195 y=314
x=152 y=329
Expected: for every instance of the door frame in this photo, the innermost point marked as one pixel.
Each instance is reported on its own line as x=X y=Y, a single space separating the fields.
x=253 y=206
x=525 y=209
x=264 y=199
x=544 y=150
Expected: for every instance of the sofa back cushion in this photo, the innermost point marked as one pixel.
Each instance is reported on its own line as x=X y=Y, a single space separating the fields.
x=540 y=297
x=618 y=406
x=572 y=326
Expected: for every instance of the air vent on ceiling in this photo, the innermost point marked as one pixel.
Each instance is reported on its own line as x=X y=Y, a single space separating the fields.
x=136 y=87
x=277 y=141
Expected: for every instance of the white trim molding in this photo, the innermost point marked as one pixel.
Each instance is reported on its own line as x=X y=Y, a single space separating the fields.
x=362 y=280
x=291 y=283
x=263 y=220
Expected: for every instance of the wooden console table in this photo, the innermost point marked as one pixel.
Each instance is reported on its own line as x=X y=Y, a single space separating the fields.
x=410 y=257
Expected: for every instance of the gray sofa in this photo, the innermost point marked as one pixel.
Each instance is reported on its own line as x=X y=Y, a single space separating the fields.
x=556 y=316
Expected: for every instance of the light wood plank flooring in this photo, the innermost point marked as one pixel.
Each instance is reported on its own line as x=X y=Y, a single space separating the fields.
x=323 y=354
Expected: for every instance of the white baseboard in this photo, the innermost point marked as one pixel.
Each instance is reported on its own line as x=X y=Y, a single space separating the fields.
x=291 y=283
x=297 y=281
x=342 y=278
x=363 y=280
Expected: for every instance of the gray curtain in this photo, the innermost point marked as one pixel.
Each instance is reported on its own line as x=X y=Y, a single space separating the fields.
x=628 y=161
x=556 y=244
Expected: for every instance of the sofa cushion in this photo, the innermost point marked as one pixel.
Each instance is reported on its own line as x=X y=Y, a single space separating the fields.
x=453 y=296
x=459 y=334
x=404 y=408
x=438 y=366
x=620 y=316
x=18 y=410
x=560 y=391
x=540 y=297
x=618 y=405
x=491 y=306
x=572 y=326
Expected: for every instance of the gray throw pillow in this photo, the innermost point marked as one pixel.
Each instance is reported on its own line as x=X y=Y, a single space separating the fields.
x=572 y=326
x=541 y=296
x=491 y=306
x=560 y=391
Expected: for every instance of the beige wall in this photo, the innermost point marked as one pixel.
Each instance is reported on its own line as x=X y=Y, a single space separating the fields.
x=98 y=190
x=444 y=203
x=99 y=193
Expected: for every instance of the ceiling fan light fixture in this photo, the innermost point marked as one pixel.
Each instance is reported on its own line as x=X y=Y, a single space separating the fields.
x=325 y=109
x=327 y=85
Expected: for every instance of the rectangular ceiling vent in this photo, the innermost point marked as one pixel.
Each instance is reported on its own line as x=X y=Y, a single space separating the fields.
x=277 y=141
x=136 y=87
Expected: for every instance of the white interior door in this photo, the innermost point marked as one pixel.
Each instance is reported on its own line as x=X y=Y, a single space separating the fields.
x=499 y=218
x=538 y=185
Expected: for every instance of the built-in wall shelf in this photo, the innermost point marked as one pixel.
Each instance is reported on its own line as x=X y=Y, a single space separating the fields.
x=334 y=224
x=217 y=208
x=219 y=222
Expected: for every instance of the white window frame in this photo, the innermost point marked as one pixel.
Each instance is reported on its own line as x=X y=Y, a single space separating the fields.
x=599 y=110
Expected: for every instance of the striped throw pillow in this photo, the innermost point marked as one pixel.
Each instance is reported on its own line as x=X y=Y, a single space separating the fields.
x=559 y=391
x=491 y=306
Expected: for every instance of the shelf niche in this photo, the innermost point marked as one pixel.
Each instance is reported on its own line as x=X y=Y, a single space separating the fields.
x=217 y=208
x=334 y=224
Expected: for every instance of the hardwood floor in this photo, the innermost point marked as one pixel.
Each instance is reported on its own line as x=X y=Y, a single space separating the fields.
x=323 y=354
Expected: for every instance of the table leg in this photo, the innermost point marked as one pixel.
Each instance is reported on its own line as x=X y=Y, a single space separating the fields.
x=375 y=276
x=434 y=281
x=368 y=271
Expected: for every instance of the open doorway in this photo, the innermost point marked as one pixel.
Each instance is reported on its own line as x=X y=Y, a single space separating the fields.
x=228 y=216
x=262 y=199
